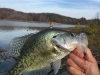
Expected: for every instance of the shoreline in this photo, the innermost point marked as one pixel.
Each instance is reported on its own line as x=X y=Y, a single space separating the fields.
x=33 y=21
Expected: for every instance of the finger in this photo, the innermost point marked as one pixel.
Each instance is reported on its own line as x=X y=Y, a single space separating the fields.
x=78 y=53
x=70 y=62
x=89 y=56
x=74 y=71
x=81 y=63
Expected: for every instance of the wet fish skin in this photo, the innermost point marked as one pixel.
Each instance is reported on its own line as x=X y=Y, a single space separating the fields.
x=38 y=52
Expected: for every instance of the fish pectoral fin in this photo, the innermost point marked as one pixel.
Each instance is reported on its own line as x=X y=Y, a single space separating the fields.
x=41 y=71
x=17 y=43
x=56 y=66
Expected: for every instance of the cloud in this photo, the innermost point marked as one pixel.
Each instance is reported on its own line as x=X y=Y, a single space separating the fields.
x=71 y=8
x=75 y=13
x=37 y=3
x=96 y=0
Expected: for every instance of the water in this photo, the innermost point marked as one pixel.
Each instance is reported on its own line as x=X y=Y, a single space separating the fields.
x=7 y=36
x=12 y=29
x=32 y=24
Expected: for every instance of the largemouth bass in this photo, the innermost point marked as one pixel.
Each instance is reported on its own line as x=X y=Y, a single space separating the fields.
x=40 y=52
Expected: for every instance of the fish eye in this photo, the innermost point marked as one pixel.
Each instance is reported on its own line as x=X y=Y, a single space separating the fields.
x=72 y=34
x=54 y=36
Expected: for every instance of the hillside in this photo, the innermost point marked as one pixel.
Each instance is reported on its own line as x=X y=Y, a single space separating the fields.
x=10 y=14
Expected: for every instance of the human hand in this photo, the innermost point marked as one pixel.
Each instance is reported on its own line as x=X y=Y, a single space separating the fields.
x=80 y=64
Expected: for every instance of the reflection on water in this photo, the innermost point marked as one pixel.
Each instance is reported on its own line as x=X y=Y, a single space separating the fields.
x=7 y=35
x=11 y=29
x=32 y=24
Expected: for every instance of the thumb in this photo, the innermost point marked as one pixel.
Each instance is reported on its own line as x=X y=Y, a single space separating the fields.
x=89 y=57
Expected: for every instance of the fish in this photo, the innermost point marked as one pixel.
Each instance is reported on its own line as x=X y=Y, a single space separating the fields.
x=39 y=53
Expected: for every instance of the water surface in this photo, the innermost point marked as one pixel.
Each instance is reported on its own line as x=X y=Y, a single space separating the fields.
x=12 y=29
x=7 y=36
x=32 y=24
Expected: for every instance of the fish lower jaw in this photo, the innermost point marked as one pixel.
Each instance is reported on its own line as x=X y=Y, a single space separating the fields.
x=61 y=55
x=54 y=55
x=66 y=48
x=71 y=47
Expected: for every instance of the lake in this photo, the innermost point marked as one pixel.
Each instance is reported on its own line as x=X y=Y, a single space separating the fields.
x=32 y=24
x=12 y=29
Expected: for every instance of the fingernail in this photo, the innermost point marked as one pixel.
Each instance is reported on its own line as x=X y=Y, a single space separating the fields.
x=83 y=74
x=80 y=54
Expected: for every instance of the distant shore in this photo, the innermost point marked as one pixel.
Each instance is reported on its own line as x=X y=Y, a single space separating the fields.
x=11 y=14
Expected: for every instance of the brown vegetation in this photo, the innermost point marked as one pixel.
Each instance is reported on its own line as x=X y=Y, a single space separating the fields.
x=10 y=14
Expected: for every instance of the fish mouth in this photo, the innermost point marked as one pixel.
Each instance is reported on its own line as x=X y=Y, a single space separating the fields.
x=62 y=48
x=64 y=42
x=68 y=48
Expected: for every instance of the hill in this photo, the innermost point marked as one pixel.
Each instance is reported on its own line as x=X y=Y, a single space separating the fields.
x=11 y=14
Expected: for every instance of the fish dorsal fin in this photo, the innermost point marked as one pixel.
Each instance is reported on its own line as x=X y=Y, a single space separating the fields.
x=56 y=66
x=41 y=71
x=16 y=44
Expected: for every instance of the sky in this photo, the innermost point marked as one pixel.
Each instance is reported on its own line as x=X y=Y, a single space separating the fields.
x=70 y=8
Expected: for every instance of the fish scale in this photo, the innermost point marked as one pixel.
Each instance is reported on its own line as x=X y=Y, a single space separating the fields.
x=16 y=45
